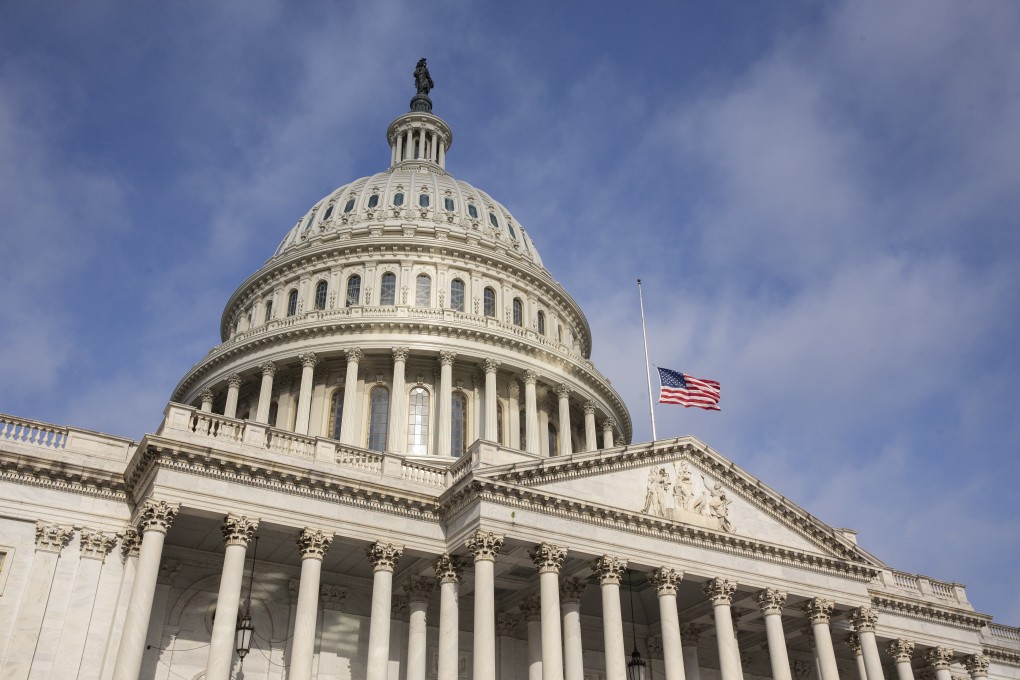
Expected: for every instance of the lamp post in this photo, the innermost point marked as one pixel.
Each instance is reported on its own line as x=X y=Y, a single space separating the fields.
x=244 y=632
x=636 y=667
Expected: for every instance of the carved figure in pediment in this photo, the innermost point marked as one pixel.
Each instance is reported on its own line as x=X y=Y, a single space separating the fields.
x=719 y=507
x=655 y=493
x=683 y=489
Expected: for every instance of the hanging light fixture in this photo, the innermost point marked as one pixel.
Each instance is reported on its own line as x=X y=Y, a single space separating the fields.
x=244 y=632
x=636 y=667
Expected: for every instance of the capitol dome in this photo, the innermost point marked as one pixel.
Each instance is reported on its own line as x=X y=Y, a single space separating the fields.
x=409 y=312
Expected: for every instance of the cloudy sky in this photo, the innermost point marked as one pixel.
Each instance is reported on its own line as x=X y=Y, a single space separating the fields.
x=822 y=200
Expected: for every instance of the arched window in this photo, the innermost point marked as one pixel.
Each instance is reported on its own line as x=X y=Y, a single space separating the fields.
x=472 y=211
x=398 y=199
x=518 y=312
x=423 y=200
x=329 y=212
x=292 y=302
x=418 y=421
x=353 y=290
x=349 y=206
x=269 y=311
x=423 y=291
x=458 y=424
x=274 y=411
x=490 y=301
x=541 y=322
x=457 y=295
x=388 y=289
x=554 y=441
x=448 y=204
x=336 y=414
x=320 y=294
x=373 y=200
x=493 y=221
x=499 y=424
x=378 y=417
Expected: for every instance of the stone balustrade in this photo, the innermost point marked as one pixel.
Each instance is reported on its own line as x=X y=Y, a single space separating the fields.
x=1005 y=633
x=922 y=586
x=32 y=435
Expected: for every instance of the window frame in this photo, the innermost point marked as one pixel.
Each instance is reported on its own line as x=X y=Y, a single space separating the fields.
x=419 y=448
x=292 y=302
x=355 y=300
x=459 y=448
x=518 y=312
x=418 y=291
x=321 y=293
x=374 y=419
x=383 y=291
x=453 y=295
x=485 y=302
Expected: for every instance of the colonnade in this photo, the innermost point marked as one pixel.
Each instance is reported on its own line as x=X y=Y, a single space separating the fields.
x=553 y=615
x=420 y=143
x=352 y=427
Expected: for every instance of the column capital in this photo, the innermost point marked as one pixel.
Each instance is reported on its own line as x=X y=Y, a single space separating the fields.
x=52 y=537
x=490 y=365
x=168 y=570
x=400 y=353
x=419 y=589
x=690 y=633
x=313 y=543
x=940 y=658
x=446 y=357
x=531 y=608
x=571 y=590
x=529 y=377
x=448 y=568
x=506 y=624
x=666 y=580
x=399 y=606
x=977 y=665
x=808 y=633
x=234 y=380
x=608 y=424
x=513 y=389
x=547 y=557
x=853 y=641
x=354 y=355
x=207 y=394
x=130 y=543
x=384 y=556
x=771 y=601
x=308 y=360
x=589 y=408
x=819 y=610
x=268 y=368
x=562 y=391
x=95 y=544
x=720 y=591
x=901 y=650
x=864 y=619
x=609 y=569
x=331 y=597
x=238 y=529
x=484 y=545
x=653 y=643
x=158 y=515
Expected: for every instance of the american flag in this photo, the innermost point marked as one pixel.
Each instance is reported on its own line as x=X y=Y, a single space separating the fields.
x=687 y=390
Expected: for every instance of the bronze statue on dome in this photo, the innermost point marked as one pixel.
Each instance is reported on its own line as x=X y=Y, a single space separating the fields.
x=422 y=79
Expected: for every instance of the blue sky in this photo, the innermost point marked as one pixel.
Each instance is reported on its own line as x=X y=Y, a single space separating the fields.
x=820 y=197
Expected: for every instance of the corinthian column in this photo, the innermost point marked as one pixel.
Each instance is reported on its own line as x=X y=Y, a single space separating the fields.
x=940 y=658
x=265 y=392
x=513 y=395
x=485 y=545
x=304 y=404
x=491 y=405
x=384 y=558
x=396 y=435
x=446 y=359
x=419 y=591
x=853 y=641
x=609 y=570
x=819 y=610
x=771 y=602
x=571 y=591
x=237 y=532
x=563 y=394
x=207 y=400
x=531 y=413
x=506 y=627
x=313 y=544
x=233 y=388
x=350 y=431
x=607 y=433
x=902 y=651
x=864 y=620
x=977 y=666
x=666 y=581
x=448 y=571
x=690 y=633
x=548 y=558
x=156 y=519
x=591 y=440
x=531 y=611
x=720 y=592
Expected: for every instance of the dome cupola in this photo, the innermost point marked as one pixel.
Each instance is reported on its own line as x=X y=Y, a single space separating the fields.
x=419 y=139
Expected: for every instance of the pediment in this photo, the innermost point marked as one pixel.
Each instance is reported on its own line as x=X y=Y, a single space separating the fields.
x=684 y=482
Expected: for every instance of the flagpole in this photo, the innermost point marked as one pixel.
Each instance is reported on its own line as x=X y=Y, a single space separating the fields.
x=648 y=373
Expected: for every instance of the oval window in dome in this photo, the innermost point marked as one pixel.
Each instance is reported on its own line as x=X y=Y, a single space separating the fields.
x=398 y=199
x=448 y=204
x=423 y=200
x=513 y=234
x=329 y=211
x=493 y=221
x=373 y=200
x=349 y=206
x=472 y=211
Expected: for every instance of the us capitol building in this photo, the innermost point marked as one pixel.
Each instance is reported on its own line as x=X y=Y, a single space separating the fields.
x=401 y=464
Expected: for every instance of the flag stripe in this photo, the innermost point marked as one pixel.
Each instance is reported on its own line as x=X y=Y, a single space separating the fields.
x=687 y=391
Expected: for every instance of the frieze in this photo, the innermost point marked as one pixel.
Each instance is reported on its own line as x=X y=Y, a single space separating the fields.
x=968 y=620
x=61 y=477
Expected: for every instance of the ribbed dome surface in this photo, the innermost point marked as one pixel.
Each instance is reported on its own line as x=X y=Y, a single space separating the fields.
x=412 y=192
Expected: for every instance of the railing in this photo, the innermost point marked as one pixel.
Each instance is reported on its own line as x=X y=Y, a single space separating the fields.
x=908 y=581
x=430 y=475
x=1007 y=633
x=460 y=469
x=945 y=590
x=219 y=427
x=32 y=432
x=290 y=443
x=361 y=460
x=927 y=587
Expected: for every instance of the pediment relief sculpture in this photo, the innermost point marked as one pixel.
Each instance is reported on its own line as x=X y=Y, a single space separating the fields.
x=686 y=497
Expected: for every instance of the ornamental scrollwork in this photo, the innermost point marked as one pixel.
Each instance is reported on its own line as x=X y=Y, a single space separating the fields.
x=666 y=580
x=238 y=529
x=506 y=624
x=96 y=544
x=158 y=516
x=313 y=543
x=901 y=650
x=547 y=557
x=448 y=569
x=384 y=556
x=940 y=658
x=52 y=537
x=771 y=601
x=609 y=569
x=419 y=589
x=819 y=610
x=130 y=543
x=571 y=590
x=484 y=545
x=720 y=591
x=531 y=608
x=864 y=619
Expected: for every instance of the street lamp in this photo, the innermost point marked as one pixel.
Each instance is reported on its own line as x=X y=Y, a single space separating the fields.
x=244 y=632
x=636 y=667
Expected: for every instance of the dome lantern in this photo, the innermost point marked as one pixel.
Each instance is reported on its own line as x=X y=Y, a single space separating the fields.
x=418 y=137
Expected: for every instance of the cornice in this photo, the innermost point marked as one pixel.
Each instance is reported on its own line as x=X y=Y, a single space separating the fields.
x=1001 y=655
x=927 y=611
x=473 y=488
x=60 y=476
x=277 y=476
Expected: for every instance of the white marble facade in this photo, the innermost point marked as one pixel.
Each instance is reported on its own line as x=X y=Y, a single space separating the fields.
x=404 y=414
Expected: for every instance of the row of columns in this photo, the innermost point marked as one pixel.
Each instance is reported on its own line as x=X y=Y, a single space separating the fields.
x=350 y=433
x=428 y=140
x=553 y=617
